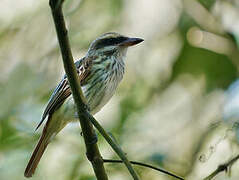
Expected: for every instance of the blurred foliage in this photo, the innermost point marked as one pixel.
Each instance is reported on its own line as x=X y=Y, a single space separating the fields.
x=164 y=111
x=207 y=3
x=201 y=62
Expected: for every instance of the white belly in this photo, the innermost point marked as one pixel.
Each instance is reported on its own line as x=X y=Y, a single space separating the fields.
x=102 y=95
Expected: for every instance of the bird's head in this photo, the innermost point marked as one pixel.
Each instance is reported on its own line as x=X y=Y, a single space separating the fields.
x=111 y=43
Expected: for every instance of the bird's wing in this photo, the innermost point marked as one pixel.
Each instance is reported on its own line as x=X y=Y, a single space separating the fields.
x=63 y=91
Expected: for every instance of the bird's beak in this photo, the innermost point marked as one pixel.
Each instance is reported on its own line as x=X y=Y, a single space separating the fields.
x=131 y=42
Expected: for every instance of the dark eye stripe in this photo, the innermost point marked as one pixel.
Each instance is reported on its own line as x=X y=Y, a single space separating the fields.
x=109 y=41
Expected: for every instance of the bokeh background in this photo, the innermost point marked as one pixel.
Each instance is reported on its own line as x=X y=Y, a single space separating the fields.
x=178 y=104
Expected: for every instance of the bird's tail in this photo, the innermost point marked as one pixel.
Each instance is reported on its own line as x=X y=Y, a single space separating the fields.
x=36 y=155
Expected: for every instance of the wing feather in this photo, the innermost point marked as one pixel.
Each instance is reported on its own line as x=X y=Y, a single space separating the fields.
x=63 y=91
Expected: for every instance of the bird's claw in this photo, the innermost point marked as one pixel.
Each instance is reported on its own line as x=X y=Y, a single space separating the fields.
x=87 y=108
x=94 y=140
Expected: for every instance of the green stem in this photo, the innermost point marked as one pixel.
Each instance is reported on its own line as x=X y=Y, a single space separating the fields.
x=114 y=146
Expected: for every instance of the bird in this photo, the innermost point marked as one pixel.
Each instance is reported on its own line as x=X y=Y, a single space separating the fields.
x=100 y=71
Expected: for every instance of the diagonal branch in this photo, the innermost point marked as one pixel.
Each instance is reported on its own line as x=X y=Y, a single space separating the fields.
x=222 y=167
x=89 y=135
x=85 y=117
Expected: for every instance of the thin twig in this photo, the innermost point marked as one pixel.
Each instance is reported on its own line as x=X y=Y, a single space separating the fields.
x=222 y=167
x=144 y=165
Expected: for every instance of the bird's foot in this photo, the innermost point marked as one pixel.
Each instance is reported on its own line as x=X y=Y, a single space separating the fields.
x=93 y=140
x=86 y=107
